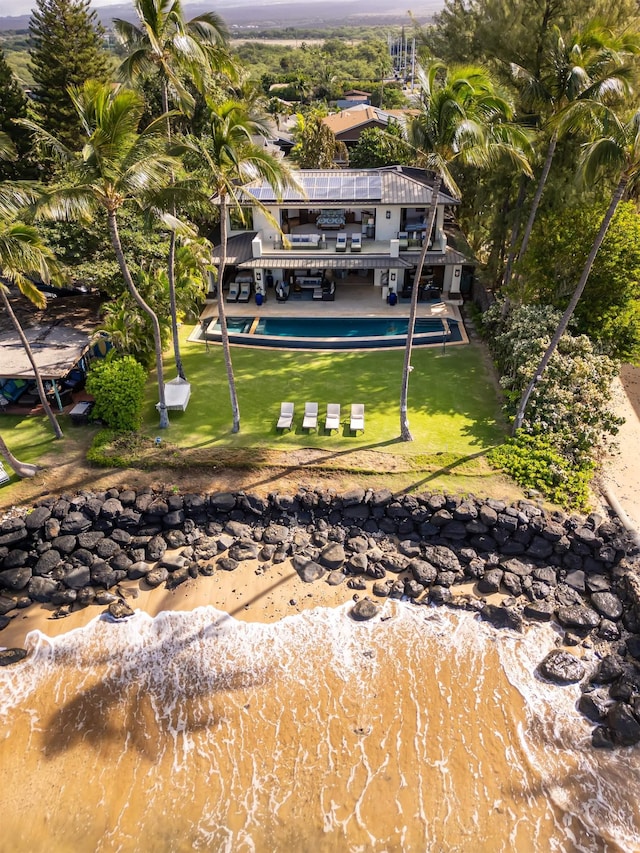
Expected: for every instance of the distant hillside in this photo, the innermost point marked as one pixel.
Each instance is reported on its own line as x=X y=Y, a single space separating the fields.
x=251 y=14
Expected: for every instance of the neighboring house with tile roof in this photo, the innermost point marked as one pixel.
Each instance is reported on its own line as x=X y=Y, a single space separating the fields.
x=348 y=124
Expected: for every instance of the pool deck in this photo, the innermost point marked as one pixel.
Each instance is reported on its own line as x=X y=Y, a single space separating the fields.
x=352 y=300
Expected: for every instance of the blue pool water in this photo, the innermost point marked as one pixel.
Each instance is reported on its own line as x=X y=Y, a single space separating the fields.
x=334 y=332
x=341 y=327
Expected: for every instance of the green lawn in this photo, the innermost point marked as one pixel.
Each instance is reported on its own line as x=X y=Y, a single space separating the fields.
x=453 y=405
x=454 y=416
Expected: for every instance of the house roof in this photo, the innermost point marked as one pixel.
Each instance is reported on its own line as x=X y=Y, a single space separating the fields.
x=326 y=262
x=355 y=116
x=327 y=187
x=56 y=349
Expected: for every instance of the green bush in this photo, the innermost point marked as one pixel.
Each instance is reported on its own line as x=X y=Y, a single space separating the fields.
x=534 y=463
x=118 y=387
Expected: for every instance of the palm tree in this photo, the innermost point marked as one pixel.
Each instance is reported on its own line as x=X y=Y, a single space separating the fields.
x=617 y=145
x=228 y=159
x=23 y=251
x=459 y=121
x=592 y=66
x=167 y=44
x=115 y=166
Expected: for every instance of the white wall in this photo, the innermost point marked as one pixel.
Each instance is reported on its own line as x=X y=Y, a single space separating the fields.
x=387 y=229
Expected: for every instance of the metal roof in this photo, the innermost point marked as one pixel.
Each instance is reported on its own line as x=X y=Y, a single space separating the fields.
x=338 y=187
x=56 y=349
x=327 y=262
x=238 y=249
x=434 y=259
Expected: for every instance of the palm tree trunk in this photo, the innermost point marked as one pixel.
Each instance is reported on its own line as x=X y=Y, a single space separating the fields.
x=538 y=195
x=22 y=469
x=222 y=317
x=405 y=432
x=27 y=348
x=171 y=263
x=564 y=322
x=171 y=275
x=157 y=337
x=514 y=233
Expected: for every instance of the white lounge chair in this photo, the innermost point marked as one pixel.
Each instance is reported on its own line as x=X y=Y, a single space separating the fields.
x=357 y=417
x=234 y=292
x=333 y=417
x=245 y=292
x=286 y=416
x=356 y=242
x=341 y=243
x=176 y=395
x=310 y=420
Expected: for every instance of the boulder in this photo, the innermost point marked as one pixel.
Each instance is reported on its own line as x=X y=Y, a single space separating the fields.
x=157 y=576
x=578 y=616
x=336 y=577
x=276 y=534
x=623 y=725
x=244 y=550
x=227 y=564
x=47 y=562
x=332 y=555
x=311 y=571
x=364 y=609
x=594 y=706
x=15 y=579
x=502 y=617
x=41 y=589
x=561 y=667
x=491 y=581
x=178 y=577
x=607 y=604
x=423 y=572
x=37 y=518
x=10 y=656
x=120 y=610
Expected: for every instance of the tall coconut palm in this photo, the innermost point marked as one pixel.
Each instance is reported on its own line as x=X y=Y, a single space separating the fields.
x=594 y=65
x=461 y=119
x=166 y=44
x=22 y=251
x=616 y=147
x=227 y=159
x=116 y=165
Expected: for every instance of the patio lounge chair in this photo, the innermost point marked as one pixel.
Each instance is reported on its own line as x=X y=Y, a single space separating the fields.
x=357 y=417
x=403 y=239
x=310 y=420
x=333 y=417
x=245 y=292
x=234 y=292
x=286 y=416
x=356 y=242
x=341 y=243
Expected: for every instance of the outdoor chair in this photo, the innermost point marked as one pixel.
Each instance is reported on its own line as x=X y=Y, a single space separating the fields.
x=357 y=417
x=356 y=242
x=285 y=420
x=310 y=420
x=403 y=239
x=245 y=292
x=333 y=417
x=341 y=243
x=234 y=292
x=282 y=291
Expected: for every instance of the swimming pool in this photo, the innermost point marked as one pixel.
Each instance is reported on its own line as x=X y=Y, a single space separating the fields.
x=335 y=332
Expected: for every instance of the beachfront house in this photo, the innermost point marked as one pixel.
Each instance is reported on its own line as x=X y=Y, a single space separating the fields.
x=360 y=226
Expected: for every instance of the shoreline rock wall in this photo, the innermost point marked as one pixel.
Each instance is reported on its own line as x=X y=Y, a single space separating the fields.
x=581 y=572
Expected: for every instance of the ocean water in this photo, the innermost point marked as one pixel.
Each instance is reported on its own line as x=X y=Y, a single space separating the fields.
x=422 y=730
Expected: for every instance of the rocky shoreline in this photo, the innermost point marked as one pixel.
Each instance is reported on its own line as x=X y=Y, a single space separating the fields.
x=582 y=573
